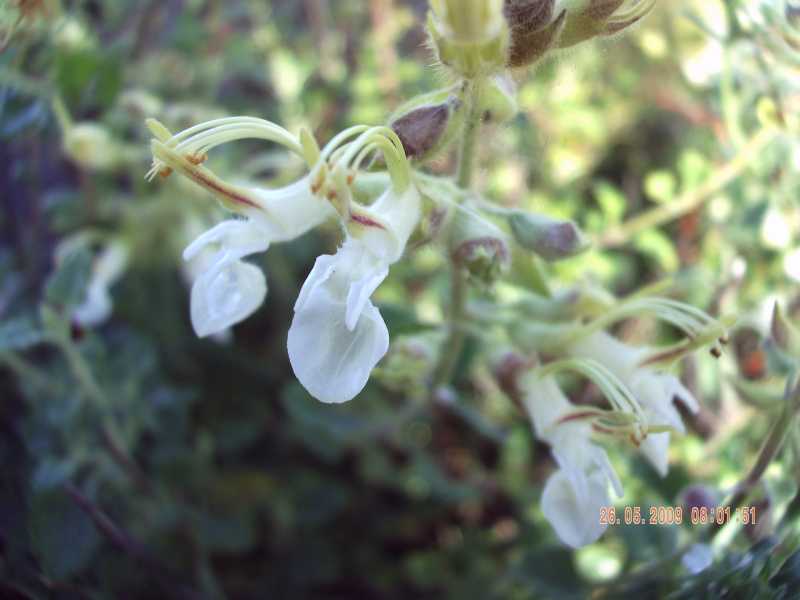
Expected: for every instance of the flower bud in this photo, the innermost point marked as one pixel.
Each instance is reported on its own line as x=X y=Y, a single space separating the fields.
x=409 y=362
x=91 y=146
x=427 y=128
x=601 y=18
x=469 y=36
x=785 y=335
x=479 y=246
x=550 y=239
x=498 y=102
x=698 y=496
x=533 y=29
x=749 y=351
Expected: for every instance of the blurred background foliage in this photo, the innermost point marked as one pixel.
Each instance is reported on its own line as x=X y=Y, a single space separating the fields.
x=141 y=462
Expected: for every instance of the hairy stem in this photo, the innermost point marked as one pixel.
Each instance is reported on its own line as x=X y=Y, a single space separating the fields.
x=451 y=349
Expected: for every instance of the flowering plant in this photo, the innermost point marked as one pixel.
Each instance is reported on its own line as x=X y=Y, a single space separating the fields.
x=523 y=324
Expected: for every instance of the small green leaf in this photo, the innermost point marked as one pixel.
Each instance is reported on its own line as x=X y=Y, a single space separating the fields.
x=67 y=286
x=63 y=536
x=612 y=202
x=19 y=334
x=660 y=186
x=52 y=472
x=659 y=247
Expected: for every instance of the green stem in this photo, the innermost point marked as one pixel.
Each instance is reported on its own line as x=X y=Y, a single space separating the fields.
x=769 y=451
x=451 y=350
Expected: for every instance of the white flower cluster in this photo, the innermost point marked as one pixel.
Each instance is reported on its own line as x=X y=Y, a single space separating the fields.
x=337 y=335
x=642 y=395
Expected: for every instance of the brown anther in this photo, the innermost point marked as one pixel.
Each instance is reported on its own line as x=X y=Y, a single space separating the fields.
x=350 y=179
x=165 y=172
x=197 y=159
x=724 y=340
x=332 y=195
x=316 y=185
x=716 y=352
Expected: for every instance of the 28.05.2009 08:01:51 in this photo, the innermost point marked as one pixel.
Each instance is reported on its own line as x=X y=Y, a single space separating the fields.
x=674 y=515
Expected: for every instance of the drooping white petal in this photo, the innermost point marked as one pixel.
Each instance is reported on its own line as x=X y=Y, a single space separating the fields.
x=95 y=309
x=574 y=494
x=236 y=236
x=226 y=294
x=106 y=270
x=337 y=335
x=575 y=513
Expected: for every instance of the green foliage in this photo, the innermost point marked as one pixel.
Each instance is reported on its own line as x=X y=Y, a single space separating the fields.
x=214 y=473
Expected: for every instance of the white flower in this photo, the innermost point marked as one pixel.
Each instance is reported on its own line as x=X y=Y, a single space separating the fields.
x=337 y=335
x=574 y=495
x=654 y=390
x=229 y=290
x=107 y=268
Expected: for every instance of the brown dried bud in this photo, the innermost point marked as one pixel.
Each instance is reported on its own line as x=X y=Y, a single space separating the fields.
x=528 y=15
x=426 y=129
x=530 y=45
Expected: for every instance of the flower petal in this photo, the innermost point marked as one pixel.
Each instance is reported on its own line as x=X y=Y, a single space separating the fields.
x=236 y=236
x=358 y=297
x=332 y=361
x=575 y=516
x=289 y=212
x=96 y=308
x=227 y=293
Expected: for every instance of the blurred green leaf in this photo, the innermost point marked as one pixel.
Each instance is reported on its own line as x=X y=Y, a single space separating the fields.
x=63 y=536
x=66 y=287
x=19 y=334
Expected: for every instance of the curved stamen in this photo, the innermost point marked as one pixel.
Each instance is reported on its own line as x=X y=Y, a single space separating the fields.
x=278 y=134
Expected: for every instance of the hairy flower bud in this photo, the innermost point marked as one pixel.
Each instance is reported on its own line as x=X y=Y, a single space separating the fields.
x=534 y=31
x=528 y=15
x=469 y=36
x=479 y=246
x=498 y=102
x=426 y=129
x=602 y=18
x=549 y=238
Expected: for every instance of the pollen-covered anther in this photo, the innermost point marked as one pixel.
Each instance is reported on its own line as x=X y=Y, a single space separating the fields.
x=197 y=159
x=165 y=172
